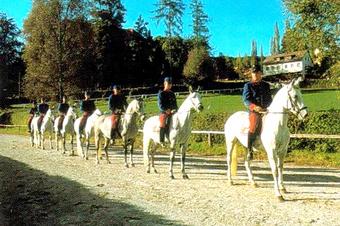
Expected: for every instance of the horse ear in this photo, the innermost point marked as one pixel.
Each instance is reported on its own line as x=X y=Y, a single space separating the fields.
x=190 y=88
x=198 y=89
x=297 y=81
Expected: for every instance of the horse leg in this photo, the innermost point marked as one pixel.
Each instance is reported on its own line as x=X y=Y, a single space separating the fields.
x=79 y=145
x=50 y=138
x=230 y=148
x=249 y=172
x=172 y=159
x=87 y=140
x=280 y=171
x=273 y=165
x=183 y=155
x=152 y=156
x=71 y=142
x=131 y=153
x=146 y=154
x=64 y=143
x=32 y=138
x=107 y=142
x=97 y=143
x=125 y=144
x=42 y=141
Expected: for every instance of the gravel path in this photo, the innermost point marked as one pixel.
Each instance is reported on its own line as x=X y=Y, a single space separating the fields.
x=44 y=187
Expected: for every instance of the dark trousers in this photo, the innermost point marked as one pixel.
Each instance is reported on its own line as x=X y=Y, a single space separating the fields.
x=255 y=126
x=83 y=120
x=164 y=120
x=29 y=121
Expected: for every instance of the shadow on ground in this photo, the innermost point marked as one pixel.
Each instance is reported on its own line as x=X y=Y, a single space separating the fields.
x=31 y=197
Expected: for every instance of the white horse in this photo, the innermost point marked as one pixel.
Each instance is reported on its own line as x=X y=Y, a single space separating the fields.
x=275 y=134
x=127 y=128
x=85 y=133
x=37 y=134
x=180 y=130
x=67 y=128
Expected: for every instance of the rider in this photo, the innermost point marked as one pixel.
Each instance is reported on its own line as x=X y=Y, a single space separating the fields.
x=168 y=106
x=87 y=106
x=62 y=109
x=32 y=112
x=117 y=105
x=42 y=109
x=256 y=97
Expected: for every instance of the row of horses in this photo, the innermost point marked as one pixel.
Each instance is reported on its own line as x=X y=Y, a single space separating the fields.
x=274 y=137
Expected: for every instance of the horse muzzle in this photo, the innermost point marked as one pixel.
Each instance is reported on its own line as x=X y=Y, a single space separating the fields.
x=200 y=107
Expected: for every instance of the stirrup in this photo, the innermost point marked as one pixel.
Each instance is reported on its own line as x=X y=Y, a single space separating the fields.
x=250 y=156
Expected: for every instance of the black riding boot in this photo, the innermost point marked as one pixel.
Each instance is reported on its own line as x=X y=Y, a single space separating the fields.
x=251 y=140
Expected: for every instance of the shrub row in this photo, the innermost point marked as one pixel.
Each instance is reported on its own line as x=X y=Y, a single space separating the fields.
x=325 y=122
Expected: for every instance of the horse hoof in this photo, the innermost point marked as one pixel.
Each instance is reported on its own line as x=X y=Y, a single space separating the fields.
x=148 y=171
x=254 y=185
x=133 y=165
x=280 y=198
x=172 y=177
x=230 y=183
x=108 y=162
x=127 y=165
x=155 y=171
x=86 y=158
x=185 y=176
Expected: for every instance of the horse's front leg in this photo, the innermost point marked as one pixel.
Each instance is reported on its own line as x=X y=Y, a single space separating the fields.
x=280 y=171
x=56 y=141
x=87 y=140
x=71 y=142
x=97 y=143
x=125 y=146
x=183 y=155
x=172 y=159
x=64 y=142
x=230 y=148
x=42 y=140
x=131 y=152
x=274 y=167
x=50 y=139
x=107 y=142
x=79 y=145
x=249 y=172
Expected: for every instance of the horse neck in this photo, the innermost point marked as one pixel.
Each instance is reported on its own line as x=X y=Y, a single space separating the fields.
x=277 y=109
x=183 y=114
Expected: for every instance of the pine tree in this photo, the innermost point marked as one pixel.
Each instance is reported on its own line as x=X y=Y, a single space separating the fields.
x=142 y=27
x=276 y=39
x=110 y=10
x=262 y=57
x=199 y=22
x=253 y=53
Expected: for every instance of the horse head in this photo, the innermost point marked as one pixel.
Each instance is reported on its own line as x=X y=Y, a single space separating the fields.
x=136 y=106
x=71 y=113
x=195 y=101
x=295 y=102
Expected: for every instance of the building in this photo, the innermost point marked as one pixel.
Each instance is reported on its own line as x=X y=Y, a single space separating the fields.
x=295 y=62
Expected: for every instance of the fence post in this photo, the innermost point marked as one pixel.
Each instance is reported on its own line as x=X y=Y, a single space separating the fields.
x=209 y=140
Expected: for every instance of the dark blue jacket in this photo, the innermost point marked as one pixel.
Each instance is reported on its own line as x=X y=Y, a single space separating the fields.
x=63 y=108
x=167 y=100
x=117 y=102
x=43 y=108
x=87 y=106
x=257 y=93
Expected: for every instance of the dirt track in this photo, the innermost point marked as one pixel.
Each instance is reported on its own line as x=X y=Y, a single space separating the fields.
x=47 y=188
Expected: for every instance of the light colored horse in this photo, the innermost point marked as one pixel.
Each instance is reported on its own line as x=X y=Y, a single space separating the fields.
x=38 y=135
x=275 y=134
x=179 y=132
x=127 y=128
x=67 y=128
x=85 y=133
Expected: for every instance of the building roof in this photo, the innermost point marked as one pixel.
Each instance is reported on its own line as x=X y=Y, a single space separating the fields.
x=285 y=57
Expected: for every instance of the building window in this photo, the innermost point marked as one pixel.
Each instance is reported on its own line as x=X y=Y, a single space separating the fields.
x=267 y=68
x=291 y=65
x=298 y=64
x=272 y=67
x=286 y=66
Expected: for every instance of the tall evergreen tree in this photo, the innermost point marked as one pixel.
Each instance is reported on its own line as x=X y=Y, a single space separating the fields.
x=141 y=27
x=170 y=12
x=261 y=57
x=199 y=22
x=110 y=10
x=253 y=53
x=276 y=39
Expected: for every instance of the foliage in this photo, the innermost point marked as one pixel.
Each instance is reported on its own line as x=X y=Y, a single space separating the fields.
x=170 y=12
x=275 y=41
x=142 y=27
x=198 y=66
x=253 y=60
x=224 y=68
x=10 y=48
x=58 y=49
x=199 y=22
x=315 y=27
x=109 y=10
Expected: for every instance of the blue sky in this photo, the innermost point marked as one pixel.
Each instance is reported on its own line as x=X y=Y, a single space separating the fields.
x=233 y=24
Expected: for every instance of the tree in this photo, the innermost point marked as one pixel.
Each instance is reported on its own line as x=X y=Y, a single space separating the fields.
x=170 y=12
x=199 y=23
x=109 y=10
x=246 y=61
x=316 y=26
x=261 y=57
x=59 y=48
x=253 y=53
x=142 y=27
x=276 y=39
x=10 y=48
x=199 y=65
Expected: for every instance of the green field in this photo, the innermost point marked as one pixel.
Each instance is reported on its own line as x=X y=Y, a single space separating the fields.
x=213 y=103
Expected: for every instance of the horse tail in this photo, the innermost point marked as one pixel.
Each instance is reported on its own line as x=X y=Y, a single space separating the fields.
x=231 y=148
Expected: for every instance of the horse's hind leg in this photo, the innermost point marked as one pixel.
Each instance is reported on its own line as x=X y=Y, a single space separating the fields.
x=71 y=142
x=125 y=146
x=56 y=141
x=64 y=143
x=230 y=145
x=250 y=173
x=107 y=141
x=172 y=159
x=274 y=167
x=183 y=152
